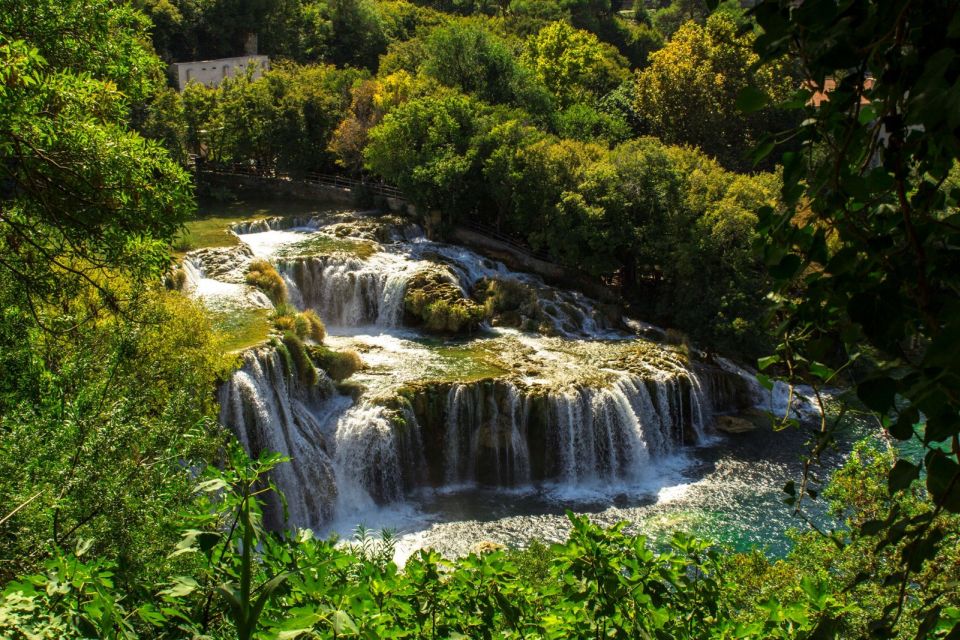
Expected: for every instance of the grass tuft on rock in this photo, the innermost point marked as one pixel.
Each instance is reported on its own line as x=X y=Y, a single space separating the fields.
x=306 y=325
x=339 y=365
x=264 y=276
x=303 y=366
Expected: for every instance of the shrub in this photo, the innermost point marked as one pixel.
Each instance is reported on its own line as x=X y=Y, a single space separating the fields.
x=436 y=303
x=339 y=365
x=315 y=328
x=452 y=316
x=263 y=275
x=510 y=303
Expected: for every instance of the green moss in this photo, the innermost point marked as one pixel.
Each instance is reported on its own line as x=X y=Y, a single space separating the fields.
x=339 y=365
x=464 y=363
x=285 y=358
x=322 y=244
x=302 y=365
x=353 y=389
x=242 y=328
x=206 y=232
x=510 y=303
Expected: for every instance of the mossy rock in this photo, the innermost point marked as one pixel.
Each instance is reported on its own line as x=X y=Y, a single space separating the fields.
x=352 y=389
x=511 y=303
x=300 y=362
x=434 y=302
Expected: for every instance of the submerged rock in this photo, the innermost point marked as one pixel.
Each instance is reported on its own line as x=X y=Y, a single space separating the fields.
x=734 y=425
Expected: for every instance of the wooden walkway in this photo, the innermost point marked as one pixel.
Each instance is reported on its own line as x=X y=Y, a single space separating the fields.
x=377 y=188
x=321 y=179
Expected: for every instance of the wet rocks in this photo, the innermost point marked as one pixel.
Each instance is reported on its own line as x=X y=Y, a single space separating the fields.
x=734 y=425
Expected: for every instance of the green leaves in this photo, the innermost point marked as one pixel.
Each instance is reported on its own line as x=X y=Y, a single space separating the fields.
x=879 y=394
x=868 y=180
x=943 y=481
x=751 y=99
x=902 y=475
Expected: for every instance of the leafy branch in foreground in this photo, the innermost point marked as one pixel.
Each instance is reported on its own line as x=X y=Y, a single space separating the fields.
x=231 y=578
x=865 y=255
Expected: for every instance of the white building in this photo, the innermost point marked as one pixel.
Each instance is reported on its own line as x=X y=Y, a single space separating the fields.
x=212 y=72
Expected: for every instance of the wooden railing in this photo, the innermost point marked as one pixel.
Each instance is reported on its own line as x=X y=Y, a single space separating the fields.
x=344 y=182
x=323 y=179
x=513 y=242
x=378 y=188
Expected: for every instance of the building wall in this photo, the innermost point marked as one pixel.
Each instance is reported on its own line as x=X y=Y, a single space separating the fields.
x=212 y=72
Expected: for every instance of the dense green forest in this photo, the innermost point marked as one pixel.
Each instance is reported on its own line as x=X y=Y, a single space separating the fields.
x=667 y=150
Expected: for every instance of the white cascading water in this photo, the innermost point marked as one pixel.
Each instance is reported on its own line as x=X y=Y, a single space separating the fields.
x=367 y=459
x=348 y=458
x=485 y=428
x=270 y=411
x=594 y=434
x=350 y=292
x=343 y=458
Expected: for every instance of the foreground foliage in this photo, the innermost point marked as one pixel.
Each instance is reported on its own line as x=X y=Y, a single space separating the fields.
x=246 y=582
x=865 y=254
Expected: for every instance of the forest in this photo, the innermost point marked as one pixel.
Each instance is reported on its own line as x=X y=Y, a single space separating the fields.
x=685 y=155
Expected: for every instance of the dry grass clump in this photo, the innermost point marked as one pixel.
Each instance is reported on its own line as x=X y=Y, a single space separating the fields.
x=176 y=279
x=339 y=365
x=309 y=325
x=263 y=275
x=306 y=325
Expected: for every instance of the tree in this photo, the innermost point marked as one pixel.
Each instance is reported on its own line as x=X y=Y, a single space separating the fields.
x=427 y=148
x=358 y=33
x=93 y=420
x=688 y=93
x=467 y=57
x=108 y=40
x=574 y=65
x=80 y=191
x=865 y=253
x=370 y=101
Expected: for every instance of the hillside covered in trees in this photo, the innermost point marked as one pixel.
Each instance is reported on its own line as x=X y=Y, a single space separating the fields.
x=670 y=153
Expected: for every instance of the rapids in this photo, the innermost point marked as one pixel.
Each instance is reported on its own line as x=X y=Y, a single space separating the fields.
x=489 y=436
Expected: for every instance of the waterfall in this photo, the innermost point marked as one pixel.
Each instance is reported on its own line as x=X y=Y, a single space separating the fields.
x=342 y=290
x=379 y=456
x=485 y=435
x=516 y=411
x=608 y=433
x=605 y=434
x=367 y=462
x=275 y=224
x=344 y=458
x=348 y=291
x=271 y=411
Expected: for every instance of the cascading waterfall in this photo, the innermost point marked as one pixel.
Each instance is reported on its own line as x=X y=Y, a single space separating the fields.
x=367 y=459
x=485 y=436
x=343 y=457
x=585 y=434
x=268 y=409
x=517 y=430
x=348 y=291
x=345 y=292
